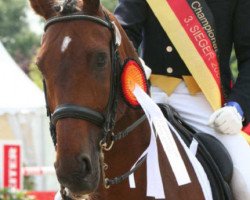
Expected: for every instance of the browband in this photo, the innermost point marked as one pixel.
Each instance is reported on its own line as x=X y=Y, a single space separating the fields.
x=78 y=16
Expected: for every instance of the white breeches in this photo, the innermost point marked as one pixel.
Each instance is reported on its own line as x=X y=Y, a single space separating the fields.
x=195 y=110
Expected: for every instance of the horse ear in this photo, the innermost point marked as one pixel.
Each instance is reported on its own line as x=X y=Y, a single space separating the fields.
x=91 y=6
x=43 y=8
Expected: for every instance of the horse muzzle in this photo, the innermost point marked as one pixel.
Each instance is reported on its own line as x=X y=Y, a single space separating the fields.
x=79 y=177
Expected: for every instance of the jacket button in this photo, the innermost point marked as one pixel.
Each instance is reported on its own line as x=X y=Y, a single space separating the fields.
x=169 y=49
x=169 y=70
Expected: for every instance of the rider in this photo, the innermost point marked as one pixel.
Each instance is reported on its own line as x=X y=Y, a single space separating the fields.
x=181 y=50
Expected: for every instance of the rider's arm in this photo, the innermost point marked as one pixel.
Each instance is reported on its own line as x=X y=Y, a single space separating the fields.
x=241 y=90
x=132 y=14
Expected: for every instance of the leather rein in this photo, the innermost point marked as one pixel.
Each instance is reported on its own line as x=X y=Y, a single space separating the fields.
x=105 y=120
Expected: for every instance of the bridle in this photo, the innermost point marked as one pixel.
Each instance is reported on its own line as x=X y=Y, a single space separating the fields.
x=62 y=111
x=105 y=121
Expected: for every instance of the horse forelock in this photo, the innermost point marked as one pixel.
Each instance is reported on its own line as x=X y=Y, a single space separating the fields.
x=65 y=7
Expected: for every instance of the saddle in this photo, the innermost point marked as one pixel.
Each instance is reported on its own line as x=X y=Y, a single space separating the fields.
x=211 y=153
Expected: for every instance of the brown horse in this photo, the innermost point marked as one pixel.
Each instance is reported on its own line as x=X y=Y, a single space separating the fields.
x=77 y=62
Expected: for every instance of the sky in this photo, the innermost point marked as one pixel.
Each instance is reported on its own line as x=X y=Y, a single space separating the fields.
x=34 y=21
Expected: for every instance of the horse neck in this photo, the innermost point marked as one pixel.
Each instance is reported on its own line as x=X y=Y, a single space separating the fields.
x=133 y=145
x=129 y=148
x=140 y=135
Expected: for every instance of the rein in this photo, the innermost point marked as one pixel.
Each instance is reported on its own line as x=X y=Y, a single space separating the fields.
x=106 y=120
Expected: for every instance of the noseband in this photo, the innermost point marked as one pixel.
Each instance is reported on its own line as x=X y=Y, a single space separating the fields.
x=105 y=120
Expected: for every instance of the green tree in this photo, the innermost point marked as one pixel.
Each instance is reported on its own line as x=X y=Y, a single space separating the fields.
x=35 y=74
x=15 y=34
x=109 y=4
x=12 y=194
x=233 y=62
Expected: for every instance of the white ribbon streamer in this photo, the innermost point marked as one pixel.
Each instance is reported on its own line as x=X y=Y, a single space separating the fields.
x=194 y=146
x=199 y=170
x=154 y=181
x=118 y=36
x=158 y=123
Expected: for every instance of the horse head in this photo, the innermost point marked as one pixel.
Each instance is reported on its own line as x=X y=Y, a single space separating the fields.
x=77 y=59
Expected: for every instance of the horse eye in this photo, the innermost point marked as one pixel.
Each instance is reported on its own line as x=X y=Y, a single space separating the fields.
x=101 y=60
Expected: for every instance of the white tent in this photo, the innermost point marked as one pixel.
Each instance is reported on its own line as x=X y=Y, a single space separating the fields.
x=22 y=114
x=17 y=91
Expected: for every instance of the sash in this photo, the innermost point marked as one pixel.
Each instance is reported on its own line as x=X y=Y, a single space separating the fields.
x=246 y=132
x=190 y=26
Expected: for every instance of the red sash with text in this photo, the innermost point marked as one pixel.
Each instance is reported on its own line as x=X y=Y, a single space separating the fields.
x=190 y=26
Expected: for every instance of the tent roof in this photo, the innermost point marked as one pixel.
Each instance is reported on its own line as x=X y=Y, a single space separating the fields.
x=17 y=92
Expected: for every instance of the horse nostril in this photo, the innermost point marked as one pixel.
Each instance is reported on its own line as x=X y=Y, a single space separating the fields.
x=85 y=164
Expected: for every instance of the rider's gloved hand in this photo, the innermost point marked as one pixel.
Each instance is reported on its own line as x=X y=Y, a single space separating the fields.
x=147 y=70
x=227 y=120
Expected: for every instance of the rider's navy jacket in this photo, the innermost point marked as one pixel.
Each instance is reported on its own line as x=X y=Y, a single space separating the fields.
x=232 y=21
